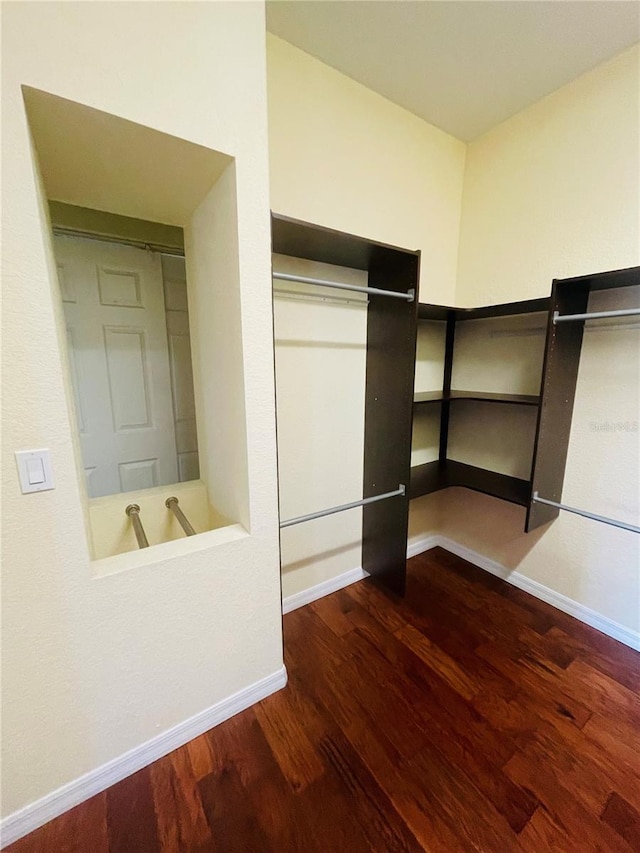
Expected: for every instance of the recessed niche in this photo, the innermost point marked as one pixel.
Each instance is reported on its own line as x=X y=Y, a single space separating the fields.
x=145 y=281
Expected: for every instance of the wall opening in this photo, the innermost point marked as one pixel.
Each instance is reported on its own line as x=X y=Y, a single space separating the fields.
x=142 y=245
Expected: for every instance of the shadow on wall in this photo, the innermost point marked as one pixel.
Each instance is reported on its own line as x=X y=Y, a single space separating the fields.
x=314 y=558
x=479 y=522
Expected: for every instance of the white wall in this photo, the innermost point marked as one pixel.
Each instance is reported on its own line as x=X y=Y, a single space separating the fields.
x=95 y=664
x=554 y=192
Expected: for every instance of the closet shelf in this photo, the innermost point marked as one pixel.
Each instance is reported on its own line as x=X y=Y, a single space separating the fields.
x=433 y=476
x=487 y=396
x=505 y=309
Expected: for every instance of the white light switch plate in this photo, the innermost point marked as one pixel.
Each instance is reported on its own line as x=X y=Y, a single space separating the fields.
x=34 y=470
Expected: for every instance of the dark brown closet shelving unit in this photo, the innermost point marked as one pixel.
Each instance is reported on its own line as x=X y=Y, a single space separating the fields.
x=444 y=472
x=390 y=365
x=554 y=404
x=390 y=401
x=560 y=374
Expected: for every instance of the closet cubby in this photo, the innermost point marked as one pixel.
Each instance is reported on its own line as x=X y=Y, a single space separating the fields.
x=506 y=400
x=488 y=399
x=560 y=373
x=390 y=367
x=479 y=398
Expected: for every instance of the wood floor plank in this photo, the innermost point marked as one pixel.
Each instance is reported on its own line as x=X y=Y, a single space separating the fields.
x=543 y=835
x=232 y=820
x=535 y=770
x=467 y=716
x=81 y=829
x=131 y=817
x=292 y=749
x=182 y=824
x=624 y=818
x=200 y=757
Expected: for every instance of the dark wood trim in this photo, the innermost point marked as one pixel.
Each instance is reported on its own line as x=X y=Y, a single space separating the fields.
x=445 y=410
x=325 y=245
x=433 y=312
x=423 y=397
x=492 y=483
x=391 y=354
x=559 y=377
x=505 y=309
x=610 y=279
x=433 y=476
x=427 y=478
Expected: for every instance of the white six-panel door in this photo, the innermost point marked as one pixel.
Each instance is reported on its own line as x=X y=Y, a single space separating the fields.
x=114 y=309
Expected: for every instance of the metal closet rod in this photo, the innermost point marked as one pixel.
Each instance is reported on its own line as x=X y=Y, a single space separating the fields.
x=133 y=511
x=172 y=251
x=595 y=315
x=585 y=514
x=290 y=522
x=172 y=503
x=408 y=296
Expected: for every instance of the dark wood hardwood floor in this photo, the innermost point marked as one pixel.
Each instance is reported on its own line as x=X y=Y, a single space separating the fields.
x=467 y=717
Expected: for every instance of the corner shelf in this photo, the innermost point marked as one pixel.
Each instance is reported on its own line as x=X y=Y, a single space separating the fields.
x=505 y=309
x=433 y=476
x=554 y=406
x=446 y=472
x=485 y=396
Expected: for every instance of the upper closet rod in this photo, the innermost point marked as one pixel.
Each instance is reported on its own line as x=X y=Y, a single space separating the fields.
x=591 y=515
x=399 y=491
x=376 y=291
x=595 y=315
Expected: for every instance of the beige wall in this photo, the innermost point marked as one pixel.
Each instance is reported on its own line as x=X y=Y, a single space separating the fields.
x=75 y=218
x=554 y=192
x=321 y=348
x=345 y=157
x=95 y=664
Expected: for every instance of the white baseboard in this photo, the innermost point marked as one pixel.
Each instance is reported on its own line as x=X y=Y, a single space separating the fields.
x=422 y=545
x=299 y=599
x=568 y=605
x=36 y=814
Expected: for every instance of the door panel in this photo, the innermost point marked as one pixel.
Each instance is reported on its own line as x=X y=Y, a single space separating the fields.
x=119 y=361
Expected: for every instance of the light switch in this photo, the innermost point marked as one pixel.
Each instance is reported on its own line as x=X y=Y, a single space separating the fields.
x=34 y=470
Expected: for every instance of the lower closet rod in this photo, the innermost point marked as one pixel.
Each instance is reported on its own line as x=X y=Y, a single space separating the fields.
x=591 y=515
x=409 y=295
x=133 y=511
x=399 y=491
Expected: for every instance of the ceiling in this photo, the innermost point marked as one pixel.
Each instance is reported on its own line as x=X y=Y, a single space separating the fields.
x=462 y=65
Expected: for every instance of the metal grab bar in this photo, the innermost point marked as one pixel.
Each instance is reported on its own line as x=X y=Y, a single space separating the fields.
x=409 y=295
x=595 y=315
x=172 y=504
x=399 y=491
x=585 y=514
x=133 y=511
